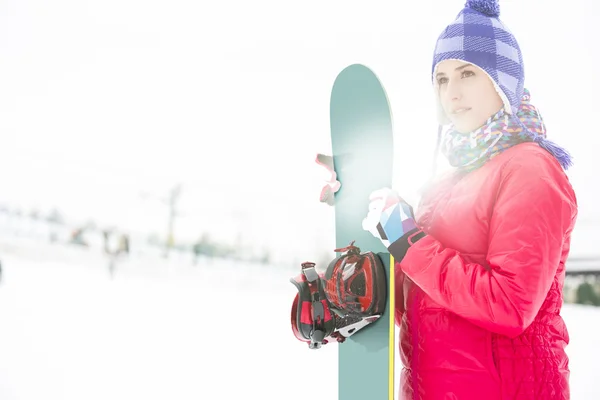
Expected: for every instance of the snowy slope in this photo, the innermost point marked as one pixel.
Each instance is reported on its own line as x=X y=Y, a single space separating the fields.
x=163 y=330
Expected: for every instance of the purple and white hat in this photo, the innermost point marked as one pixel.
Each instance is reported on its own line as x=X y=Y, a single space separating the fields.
x=478 y=37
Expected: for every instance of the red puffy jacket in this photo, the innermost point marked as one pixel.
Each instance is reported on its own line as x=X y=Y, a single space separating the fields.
x=478 y=299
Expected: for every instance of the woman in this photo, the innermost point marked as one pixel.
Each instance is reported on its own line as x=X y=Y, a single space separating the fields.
x=480 y=267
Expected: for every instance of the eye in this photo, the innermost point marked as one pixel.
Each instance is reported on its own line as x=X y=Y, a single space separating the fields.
x=466 y=73
x=442 y=80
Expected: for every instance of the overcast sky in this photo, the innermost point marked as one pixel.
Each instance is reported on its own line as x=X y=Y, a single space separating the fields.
x=102 y=102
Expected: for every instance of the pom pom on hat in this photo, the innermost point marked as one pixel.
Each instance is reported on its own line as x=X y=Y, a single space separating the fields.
x=491 y=8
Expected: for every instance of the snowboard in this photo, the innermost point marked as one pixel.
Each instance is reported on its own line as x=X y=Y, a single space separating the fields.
x=362 y=150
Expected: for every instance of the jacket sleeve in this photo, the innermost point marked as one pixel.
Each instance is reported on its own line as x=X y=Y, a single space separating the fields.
x=533 y=214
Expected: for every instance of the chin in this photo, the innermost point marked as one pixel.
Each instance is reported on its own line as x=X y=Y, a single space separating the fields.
x=467 y=127
x=463 y=128
x=464 y=131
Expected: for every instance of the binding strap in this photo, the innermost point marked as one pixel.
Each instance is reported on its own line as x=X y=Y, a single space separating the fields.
x=314 y=320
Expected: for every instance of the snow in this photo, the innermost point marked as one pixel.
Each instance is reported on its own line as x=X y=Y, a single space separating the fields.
x=167 y=329
x=157 y=330
x=583 y=323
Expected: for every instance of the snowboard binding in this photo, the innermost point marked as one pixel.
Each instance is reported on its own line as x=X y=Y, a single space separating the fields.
x=350 y=295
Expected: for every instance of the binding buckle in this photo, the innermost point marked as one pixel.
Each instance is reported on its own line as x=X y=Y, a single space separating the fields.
x=317 y=336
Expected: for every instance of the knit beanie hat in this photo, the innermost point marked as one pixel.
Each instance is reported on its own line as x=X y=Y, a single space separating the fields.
x=478 y=37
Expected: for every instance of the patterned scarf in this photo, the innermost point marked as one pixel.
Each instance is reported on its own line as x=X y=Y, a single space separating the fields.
x=500 y=132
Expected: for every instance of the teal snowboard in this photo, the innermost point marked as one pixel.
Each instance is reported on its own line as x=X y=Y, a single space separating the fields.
x=362 y=144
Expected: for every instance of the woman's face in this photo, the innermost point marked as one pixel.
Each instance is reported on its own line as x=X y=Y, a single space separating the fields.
x=467 y=94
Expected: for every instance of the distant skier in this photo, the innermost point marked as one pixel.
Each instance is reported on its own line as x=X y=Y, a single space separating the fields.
x=123 y=245
x=121 y=250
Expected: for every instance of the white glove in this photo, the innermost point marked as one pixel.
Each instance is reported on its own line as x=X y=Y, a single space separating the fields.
x=389 y=218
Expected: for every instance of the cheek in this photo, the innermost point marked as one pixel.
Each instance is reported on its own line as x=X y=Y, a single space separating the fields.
x=472 y=94
x=444 y=100
x=491 y=103
x=484 y=95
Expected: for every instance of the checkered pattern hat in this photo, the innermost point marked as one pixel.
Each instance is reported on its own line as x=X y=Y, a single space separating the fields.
x=478 y=37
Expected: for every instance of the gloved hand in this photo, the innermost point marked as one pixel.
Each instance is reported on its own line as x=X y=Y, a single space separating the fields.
x=332 y=185
x=392 y=220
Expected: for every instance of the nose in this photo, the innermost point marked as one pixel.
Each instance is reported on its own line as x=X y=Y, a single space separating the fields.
x=454 y=92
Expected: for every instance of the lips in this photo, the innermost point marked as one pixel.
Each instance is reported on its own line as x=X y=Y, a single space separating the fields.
x=461 y=110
